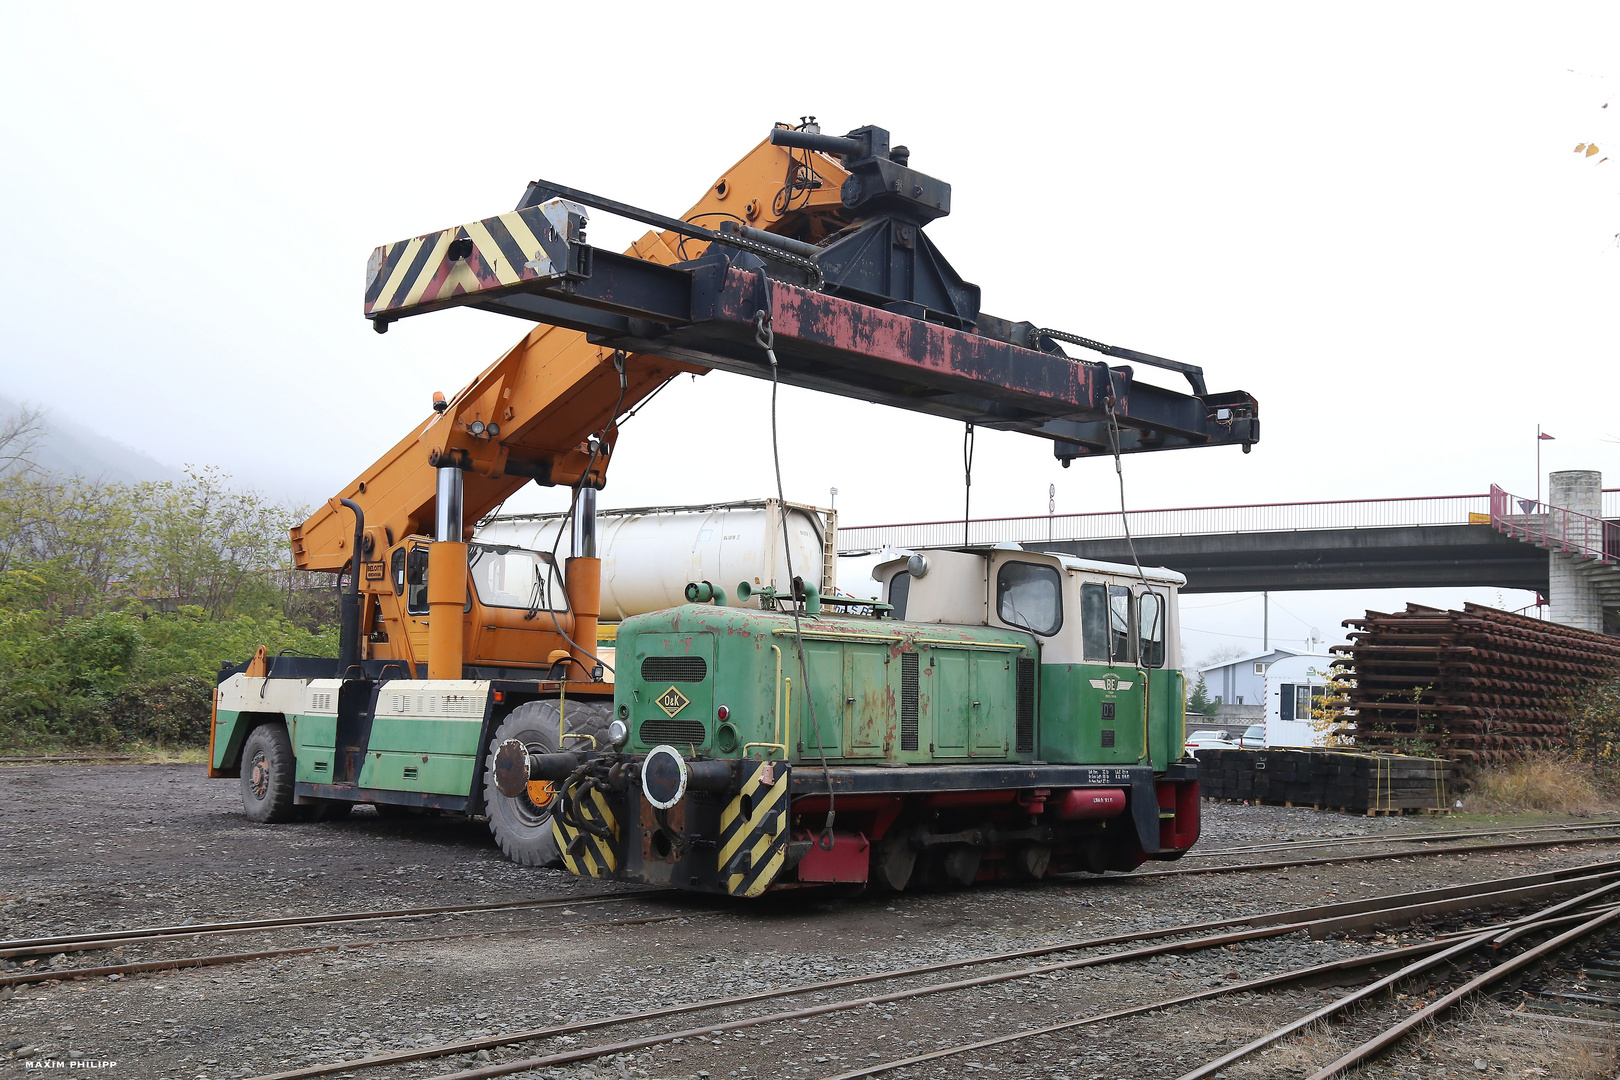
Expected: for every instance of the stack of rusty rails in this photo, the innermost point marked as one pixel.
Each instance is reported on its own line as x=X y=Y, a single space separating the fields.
x=1477 y=685
x=1329 y=780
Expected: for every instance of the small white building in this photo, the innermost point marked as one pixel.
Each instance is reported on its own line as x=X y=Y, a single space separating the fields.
x=1242 y=681
x=1296 y=687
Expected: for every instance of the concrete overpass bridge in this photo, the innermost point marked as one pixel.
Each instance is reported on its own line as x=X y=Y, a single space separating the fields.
x=1568 y=553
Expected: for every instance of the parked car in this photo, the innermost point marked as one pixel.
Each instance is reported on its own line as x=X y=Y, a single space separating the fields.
x=1208 y=740
x=1253 y=737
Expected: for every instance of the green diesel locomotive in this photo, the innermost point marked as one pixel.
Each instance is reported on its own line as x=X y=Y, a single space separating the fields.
x=1002 y=713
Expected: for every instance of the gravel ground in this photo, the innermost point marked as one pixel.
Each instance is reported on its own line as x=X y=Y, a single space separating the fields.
x=117 y=846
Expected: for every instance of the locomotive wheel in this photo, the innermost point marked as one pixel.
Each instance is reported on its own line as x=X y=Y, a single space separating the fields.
x=1032 y=861
x=520 y=826
x=961 y=863
x=267 y=775
x=893 y=862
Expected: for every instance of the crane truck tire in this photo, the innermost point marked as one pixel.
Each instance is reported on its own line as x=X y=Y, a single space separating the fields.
x=267 y=774
x=520 y=827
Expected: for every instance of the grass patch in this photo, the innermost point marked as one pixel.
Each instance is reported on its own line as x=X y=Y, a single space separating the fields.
x=1552 y=784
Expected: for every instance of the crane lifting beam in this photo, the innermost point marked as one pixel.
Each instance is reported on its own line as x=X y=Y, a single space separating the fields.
x=704 y=312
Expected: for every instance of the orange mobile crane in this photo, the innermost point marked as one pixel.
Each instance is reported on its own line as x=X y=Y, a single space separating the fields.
x=545 y=412
x=820 y=276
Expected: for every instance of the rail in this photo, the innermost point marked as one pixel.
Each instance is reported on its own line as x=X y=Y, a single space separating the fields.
x=1554 y=527
x=1188 y=521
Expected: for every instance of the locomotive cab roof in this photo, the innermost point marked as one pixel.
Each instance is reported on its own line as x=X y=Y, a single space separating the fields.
x=1157 y=575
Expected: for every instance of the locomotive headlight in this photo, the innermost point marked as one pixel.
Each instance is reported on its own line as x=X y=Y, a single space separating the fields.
x=917 y=566
x=618 y=734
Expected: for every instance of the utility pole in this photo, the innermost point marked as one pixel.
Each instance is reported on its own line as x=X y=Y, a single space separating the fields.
x=1265 y=621
x=1541 y=437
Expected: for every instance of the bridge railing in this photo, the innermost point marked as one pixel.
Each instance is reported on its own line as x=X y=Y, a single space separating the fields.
x=1554 y=527
x=1181 y=521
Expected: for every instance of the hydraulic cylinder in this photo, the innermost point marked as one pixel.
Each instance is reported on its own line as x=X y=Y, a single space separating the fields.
x=447 y=580
x=585 y=579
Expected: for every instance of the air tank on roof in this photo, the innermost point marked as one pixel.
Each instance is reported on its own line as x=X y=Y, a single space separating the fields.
x=649 y=554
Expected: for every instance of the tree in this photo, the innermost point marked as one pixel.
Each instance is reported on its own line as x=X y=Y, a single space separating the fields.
x=1198 y=701
x=209 y=545
x=1221 y=654
x=20 y=436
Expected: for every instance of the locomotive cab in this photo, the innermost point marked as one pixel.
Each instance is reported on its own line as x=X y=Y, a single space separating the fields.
x=1099 y=625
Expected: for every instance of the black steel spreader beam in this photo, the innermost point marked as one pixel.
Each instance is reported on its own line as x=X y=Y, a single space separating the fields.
x=874 y=313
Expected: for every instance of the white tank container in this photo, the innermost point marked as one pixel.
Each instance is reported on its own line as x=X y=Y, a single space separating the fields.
x=650 y=554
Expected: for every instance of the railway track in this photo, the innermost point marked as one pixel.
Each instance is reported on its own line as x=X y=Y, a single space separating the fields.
x=1591 y=882
x=1422 y=958
x=47 y=946
x=106 y=939
x=1429 y=837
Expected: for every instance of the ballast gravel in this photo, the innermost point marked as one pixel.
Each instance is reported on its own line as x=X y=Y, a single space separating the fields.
x=122 y=846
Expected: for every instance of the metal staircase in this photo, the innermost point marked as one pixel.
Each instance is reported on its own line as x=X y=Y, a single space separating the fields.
x=1592 y=542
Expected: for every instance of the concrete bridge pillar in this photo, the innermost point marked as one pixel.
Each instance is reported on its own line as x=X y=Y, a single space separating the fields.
x=1572 y=596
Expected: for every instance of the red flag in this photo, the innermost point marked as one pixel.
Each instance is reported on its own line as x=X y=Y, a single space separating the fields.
x=1543 y=435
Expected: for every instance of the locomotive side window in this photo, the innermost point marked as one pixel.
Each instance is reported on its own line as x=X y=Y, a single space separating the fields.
x=899 y=592
x=1150 y=628
x=1031 y=596
x=1121 y=641
x=1094 y=622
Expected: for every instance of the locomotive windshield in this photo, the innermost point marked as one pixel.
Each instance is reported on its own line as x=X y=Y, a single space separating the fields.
x=1031 y=596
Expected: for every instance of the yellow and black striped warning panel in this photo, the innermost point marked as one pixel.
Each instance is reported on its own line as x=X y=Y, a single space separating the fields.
x=531 y=246
x=754 y=831
x=583 y=852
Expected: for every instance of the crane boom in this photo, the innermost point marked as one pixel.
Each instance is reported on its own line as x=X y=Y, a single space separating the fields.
x=554 y=387
x=530 y=416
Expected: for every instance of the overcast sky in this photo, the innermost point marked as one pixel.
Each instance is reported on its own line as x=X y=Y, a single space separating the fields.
x=1369 y=216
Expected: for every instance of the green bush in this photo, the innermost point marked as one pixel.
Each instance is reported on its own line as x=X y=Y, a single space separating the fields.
x=1594 y=732
x=119 y=603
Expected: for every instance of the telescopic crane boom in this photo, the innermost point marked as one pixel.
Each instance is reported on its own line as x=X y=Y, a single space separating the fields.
x=530 y=416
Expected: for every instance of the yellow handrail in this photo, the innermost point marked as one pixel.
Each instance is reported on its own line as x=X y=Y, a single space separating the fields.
x=1147 y=745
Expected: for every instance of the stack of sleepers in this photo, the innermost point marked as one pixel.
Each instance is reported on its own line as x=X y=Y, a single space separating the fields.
x=1327 y=779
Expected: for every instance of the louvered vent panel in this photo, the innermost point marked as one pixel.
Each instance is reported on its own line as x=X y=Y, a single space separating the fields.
x=664 y=729
x=908 y=701
x=1026 y=706
x=674 y=669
